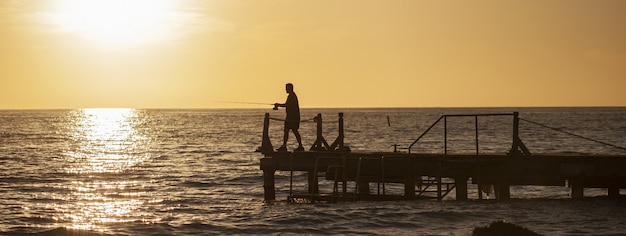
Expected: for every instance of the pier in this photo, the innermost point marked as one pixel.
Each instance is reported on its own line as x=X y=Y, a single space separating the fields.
x=367 y=175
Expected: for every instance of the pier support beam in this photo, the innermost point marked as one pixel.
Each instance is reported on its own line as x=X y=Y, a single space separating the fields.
x=460 y=184
x=268 y=184
x=503 y=191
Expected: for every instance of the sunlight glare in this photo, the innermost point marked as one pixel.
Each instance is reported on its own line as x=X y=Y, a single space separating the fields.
x=116 y=21
x=108 y=143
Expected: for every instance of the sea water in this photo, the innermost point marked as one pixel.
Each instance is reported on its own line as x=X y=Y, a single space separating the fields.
x=195 y=172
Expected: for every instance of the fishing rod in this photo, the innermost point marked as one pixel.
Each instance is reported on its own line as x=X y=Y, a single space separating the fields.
x=252 y=103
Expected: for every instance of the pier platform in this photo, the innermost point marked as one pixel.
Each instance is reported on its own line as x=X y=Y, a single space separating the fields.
x=432 y=175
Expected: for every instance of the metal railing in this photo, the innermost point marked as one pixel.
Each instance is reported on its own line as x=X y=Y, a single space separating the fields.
x=517 y=146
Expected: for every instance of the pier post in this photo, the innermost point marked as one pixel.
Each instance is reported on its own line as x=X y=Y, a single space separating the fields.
x=268 y=184
x=613 y=189
x=409 y=180
x=460 y=184
x=577 y=188
x=364 y=187
x=313 y=183
x=409 y=190
x=439 y=174
x=439 y=193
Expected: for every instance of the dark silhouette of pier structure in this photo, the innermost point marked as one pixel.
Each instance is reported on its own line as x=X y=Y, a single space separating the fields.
x=432 y=175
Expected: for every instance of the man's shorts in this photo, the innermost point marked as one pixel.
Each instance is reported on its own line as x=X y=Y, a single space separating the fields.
x=292 y=124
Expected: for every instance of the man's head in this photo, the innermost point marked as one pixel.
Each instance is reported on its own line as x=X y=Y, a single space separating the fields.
x=289 y=87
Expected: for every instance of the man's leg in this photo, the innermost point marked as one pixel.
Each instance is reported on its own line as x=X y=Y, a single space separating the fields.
x=297 y=134
x=283 y=148
x=285 y=137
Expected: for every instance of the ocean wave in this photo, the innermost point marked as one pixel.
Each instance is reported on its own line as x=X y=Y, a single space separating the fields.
x=197 y=184
x=62 y=231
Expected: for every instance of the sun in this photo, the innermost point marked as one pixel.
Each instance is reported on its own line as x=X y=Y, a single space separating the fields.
x=116 y=21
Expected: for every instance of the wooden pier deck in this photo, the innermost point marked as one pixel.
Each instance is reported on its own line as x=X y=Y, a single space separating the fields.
x=500 y=171
x=435 y=175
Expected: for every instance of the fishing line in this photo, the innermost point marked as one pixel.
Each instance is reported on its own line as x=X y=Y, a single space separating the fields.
x=576 y=135
x=253 y=103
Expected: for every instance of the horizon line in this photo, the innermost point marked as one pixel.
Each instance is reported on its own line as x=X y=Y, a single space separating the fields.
x=355 y=107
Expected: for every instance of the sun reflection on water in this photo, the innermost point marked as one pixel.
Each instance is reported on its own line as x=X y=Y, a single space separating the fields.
x=107 y=141
x=106 y=147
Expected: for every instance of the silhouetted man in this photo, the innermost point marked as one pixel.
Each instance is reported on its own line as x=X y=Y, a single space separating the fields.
x=292 y=121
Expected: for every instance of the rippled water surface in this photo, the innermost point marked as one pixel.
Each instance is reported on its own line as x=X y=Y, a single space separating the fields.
x=195 y=172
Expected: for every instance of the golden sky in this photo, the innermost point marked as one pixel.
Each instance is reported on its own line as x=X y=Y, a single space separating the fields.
x=347 y=53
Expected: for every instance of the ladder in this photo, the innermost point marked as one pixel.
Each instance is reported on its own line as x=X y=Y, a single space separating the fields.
x=427 y=185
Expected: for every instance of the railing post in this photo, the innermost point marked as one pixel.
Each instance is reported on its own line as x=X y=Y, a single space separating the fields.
x=476 y=122
x=514 y=149
x=445 y=135
x=319 y=125
x=518 y=146
x=340 y=137
x=320 y=143
x=338 y=144
x=266 y=144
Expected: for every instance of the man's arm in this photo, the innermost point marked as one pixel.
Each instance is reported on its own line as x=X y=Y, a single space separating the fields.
x=277 y=105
